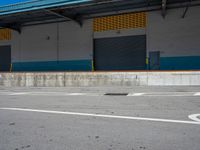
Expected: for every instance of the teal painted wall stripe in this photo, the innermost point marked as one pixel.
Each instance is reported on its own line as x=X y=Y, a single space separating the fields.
x=166 y=63
x=180 y=63
x=74 y=65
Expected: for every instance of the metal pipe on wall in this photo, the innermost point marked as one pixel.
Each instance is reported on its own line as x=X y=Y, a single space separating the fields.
x=57 y=42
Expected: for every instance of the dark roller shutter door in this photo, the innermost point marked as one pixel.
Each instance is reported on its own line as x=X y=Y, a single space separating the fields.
x=120 y=53
x=5 y=58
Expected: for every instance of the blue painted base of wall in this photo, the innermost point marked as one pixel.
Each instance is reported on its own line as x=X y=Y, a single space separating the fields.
x=180 y=63
x=74 y=65
x=166 y=63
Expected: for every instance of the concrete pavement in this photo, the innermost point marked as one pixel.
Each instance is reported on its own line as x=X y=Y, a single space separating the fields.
x=37 y=130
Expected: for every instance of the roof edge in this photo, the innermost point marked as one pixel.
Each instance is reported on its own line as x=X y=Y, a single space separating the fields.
x=36 y=5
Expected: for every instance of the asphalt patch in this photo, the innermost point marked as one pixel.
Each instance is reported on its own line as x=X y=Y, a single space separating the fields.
x=116 y=94
x=11 y=124
x=28 y=146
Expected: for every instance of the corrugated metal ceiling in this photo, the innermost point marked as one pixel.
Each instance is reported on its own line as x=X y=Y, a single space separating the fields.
x=22 y=14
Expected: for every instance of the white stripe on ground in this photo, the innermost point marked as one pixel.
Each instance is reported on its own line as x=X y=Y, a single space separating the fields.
x=197 y=94
x=50 y=94
x=75 y=94
x=103 y=116
x=19 y=93
x=168 y=95
x=195 y=117
x=135 y=94
x=154 y=94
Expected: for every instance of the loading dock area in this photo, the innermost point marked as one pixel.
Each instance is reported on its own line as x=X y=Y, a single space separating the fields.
x=120 y=53
x=100 y=75
x=100 y=36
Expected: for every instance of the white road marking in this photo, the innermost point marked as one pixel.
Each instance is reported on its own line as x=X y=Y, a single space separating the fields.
x=104 y=116
x=197 y=94
x=195 y=117
x=75 y=94
x=168 y=94
x=50 y=94
x=19 y=93
x=152 y=94
x=136 y=94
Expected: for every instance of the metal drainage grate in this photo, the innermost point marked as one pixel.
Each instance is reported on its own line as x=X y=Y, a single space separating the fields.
x=116 y=94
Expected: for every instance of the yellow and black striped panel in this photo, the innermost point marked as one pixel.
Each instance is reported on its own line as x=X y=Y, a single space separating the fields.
x=5 y=34
x=118 y=22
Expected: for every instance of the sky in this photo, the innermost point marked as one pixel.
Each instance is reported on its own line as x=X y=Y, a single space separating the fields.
x=5 y=2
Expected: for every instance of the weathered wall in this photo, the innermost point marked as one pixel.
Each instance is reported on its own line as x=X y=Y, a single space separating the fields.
x=62 y=46
x=176 y=38
x=3 y=43
x=67 y=46
x=72 y=79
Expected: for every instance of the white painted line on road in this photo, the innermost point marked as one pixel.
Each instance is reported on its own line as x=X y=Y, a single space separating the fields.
x=197 y=94
x=19 y=93
x=135 y=94
x=50 y=94
x=154 y=94
x=168 y=95
x=75 y=94
x=195 y=117
x=103 y=116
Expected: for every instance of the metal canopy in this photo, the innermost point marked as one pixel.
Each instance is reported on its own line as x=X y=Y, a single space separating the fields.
x=78 y=10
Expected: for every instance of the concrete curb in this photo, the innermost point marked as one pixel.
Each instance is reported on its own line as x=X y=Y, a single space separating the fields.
x=68 y=79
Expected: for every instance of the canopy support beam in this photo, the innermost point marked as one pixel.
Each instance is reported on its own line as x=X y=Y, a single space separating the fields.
x=13 y=26
x=74 y=18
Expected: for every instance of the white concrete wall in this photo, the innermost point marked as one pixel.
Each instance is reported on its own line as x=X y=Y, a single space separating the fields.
x=32 y=45
x=63 y=41
x=75 y=42
x=174 y=35
x=120 y=33
x=94 y=79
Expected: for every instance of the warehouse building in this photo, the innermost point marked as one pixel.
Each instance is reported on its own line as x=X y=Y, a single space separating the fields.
x=100 y=35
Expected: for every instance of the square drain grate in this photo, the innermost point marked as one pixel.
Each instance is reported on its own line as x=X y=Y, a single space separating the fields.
x=116 y=94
